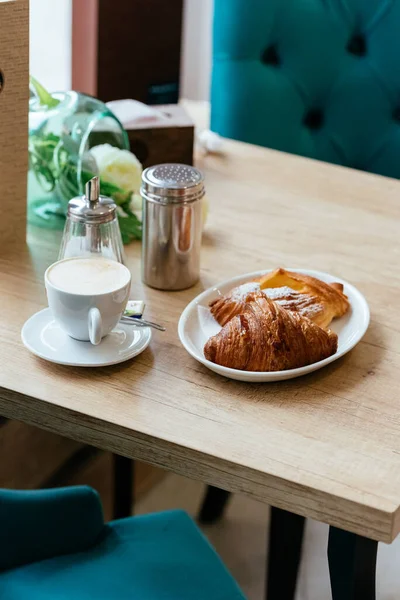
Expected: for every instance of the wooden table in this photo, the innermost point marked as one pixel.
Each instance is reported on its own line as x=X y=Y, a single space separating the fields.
x=326 y=445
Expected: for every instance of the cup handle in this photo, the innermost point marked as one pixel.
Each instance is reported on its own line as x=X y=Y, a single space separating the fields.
x=95 y=326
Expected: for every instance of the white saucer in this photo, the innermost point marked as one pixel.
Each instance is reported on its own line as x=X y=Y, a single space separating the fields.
x=45 y=338
x=197 y=325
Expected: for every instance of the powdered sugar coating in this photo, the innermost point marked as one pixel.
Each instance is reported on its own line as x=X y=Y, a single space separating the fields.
x=292 y=300
x=280 y=292
x=286 y=296
x=240 y=293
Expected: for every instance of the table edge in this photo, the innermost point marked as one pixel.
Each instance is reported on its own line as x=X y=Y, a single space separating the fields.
x=379 y=525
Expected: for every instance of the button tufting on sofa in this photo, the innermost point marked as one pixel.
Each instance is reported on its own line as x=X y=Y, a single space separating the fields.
x=314 y=118
x=357 y=45
x=270 y=56
x=396 y=114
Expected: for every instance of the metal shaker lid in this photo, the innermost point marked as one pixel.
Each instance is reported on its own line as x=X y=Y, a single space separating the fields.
x=172 y=183
x=92 y=208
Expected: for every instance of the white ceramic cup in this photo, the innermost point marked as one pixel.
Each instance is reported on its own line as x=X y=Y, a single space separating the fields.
x=87 y=317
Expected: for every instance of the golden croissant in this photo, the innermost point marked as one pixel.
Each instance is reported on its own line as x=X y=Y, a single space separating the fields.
x=319 y=301
x=267 y=337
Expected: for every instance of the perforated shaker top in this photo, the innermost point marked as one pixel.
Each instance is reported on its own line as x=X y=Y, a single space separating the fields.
x=172 y=182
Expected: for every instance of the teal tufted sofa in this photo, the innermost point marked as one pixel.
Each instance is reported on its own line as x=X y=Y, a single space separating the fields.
x=320 y=78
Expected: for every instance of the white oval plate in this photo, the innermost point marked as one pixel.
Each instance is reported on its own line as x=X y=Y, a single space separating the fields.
x=197 y=325
x=42 y=335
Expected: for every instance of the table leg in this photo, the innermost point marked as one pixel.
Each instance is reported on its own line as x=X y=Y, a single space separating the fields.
x=213 y=505
x=285 y=543
x=352 y=565
x=123 y=486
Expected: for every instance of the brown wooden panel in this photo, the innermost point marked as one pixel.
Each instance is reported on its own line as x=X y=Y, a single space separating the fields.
x=14 y=93
x=33 y=458
x=127 y=49
x=98 y=473
x=30 y=455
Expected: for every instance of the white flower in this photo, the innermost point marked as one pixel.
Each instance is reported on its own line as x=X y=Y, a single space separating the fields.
x=136 y=205
x=120 y=167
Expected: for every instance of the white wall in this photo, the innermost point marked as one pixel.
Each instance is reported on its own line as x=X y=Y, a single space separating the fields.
x=196 y=49
x=50 y=45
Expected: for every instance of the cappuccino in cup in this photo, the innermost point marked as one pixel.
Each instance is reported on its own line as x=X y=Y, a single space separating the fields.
x=87 y=296
x=88 y=276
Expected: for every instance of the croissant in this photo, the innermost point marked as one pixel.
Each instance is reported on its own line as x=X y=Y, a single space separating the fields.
x=267 y=337
x=319 y=301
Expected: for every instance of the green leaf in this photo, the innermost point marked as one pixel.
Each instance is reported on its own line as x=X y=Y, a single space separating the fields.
x=44 y=97
x=41 y=153
x=130 y=226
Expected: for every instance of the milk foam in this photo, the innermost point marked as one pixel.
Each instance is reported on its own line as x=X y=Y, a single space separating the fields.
x=88 y=276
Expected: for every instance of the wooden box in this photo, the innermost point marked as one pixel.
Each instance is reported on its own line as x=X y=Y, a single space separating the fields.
x=14 y=97
x=169 y=141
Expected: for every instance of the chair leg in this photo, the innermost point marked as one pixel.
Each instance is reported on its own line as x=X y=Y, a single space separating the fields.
x=124 y=470
x=285 y=543
x=352 y=565
x=213 y=505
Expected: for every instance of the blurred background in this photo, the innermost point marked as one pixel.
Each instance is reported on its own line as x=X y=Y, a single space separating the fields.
x=51 y=27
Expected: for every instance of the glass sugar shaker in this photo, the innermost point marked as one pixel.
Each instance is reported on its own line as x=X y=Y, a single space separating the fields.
x=92 y=226
x=172 y=226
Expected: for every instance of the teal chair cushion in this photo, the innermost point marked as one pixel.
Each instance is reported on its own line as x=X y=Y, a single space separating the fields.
x=153 y=557
x=40 y=524
x=320 y=79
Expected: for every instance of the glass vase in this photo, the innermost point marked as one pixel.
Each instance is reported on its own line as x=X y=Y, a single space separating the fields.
x=61 y=135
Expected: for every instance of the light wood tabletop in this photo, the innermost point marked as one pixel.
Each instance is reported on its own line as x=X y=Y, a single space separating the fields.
x=326 y=445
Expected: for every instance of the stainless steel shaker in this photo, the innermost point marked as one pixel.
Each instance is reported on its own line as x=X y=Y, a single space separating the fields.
x=172 y=225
